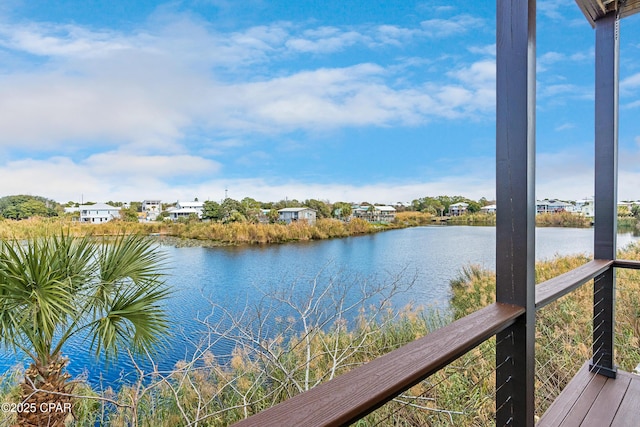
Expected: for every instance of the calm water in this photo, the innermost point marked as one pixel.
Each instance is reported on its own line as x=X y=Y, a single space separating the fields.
x=234 y=276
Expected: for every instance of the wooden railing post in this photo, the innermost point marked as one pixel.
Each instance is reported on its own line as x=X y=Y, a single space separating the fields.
x=606 y=188
x=515 y=198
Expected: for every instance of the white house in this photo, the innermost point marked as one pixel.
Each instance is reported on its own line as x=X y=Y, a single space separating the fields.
x=585 y=207
x=98 y=213
x=151 y=209
x=553 y=206
x=489 y=209
x=373 y=213
x=185 y=210
x=290 y=215
x=458 y=209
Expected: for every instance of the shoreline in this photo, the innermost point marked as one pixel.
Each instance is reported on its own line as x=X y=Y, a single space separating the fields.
x=209 y=234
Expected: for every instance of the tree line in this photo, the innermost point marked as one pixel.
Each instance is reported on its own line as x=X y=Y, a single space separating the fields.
x=230 y=210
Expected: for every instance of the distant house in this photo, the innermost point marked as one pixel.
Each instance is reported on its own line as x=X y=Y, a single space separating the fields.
x=373 y=213
x=98 y=213
x=585 y=207
x=553 y=206
x=489 y=209
x=151 y=209
x=289 y=215
x=385 y=213
x=185 y=210
x=458 y=209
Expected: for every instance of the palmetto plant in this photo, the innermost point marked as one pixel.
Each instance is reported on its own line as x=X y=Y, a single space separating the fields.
x=58 y=286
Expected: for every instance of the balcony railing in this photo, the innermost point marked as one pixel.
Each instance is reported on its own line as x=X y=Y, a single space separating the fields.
x=512 y=318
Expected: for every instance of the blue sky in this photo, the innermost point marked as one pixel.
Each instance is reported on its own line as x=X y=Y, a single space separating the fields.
x=380 y=101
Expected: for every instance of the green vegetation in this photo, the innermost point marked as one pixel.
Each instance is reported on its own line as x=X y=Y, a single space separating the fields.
x=314 y=343
x=57 y=286
x=22 y=206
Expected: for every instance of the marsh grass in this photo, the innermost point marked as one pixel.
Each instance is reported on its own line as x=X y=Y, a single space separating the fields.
x=217 y=393
x=237 y=233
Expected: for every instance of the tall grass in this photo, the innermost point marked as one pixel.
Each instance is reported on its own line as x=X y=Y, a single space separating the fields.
x=562 y=219
x=225 y=234
x=219 y=392
x=564 y=327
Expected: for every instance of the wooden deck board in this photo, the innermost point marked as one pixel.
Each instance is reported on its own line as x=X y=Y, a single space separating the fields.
x=628 y=413
x=594 y=400
x=606 y=405
x=558 y=411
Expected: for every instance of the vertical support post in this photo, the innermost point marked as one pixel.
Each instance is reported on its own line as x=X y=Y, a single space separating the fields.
x=606 y=188
x=515 y=199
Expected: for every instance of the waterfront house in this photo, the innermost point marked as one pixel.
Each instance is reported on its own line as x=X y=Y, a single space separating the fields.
x=98 y=213
x=458 y=209
x=585 y=207
x=289 y=215
x=373 y=213
x=186 y=210
x=553 y=206
x=489 y=209
x=151 y=209
x=385 y=213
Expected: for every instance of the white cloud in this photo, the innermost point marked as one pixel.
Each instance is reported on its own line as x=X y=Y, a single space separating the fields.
x=325 y=40
x=565 y=126
x=548 y=59
x=566 y=90
x=151 y=87
x=115 y=163
x=552 y=8
x=489 y=50
x=566 y=174
x=630 y=84
x=456 y=25
x=116 y=176
x=62 y=179
x=60 y=40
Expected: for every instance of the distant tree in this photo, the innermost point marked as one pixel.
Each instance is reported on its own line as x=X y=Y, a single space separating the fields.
x=323 y=210
x=231 y=208
x=212 y=211
x=251 y=208
x=129 y=214
x=273 y=216
x=635 y=211
x=286 y=203
x=250 y=203
x=342 y=210
x=473 y=207
x=432 y=205
x=24 y=206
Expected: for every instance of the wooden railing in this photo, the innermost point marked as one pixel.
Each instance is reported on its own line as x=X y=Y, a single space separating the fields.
x=355 y=394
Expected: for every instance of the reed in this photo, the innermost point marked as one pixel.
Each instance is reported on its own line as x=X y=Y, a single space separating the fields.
x=218 y=392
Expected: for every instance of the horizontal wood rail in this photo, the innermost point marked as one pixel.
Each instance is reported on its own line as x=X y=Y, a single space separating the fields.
x=624 y=263
x=551 y=290
x=356 y=393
